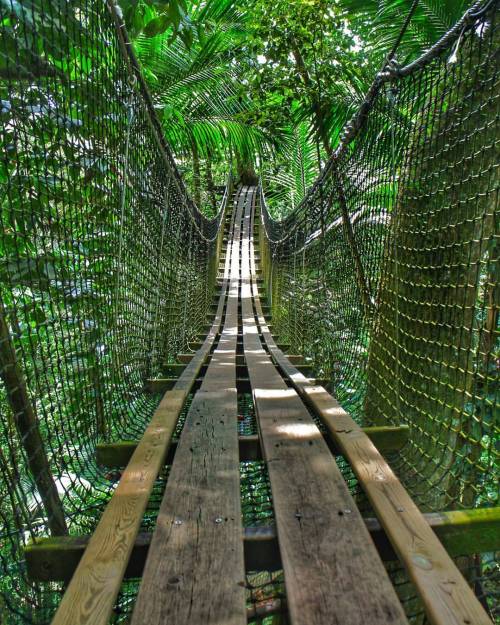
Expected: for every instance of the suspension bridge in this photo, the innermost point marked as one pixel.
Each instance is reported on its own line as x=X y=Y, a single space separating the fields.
x=243 y=420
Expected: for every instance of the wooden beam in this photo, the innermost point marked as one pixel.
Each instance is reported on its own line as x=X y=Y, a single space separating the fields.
x=332 y=570
x=462 y=532
x=387 y=438
x=93 y=589
x=195 y=565
x=184 y=358
x=295 y=359
x=445 y=594
x=56 y=558
x=116 y=455
x=175 y=369
x=161 y=385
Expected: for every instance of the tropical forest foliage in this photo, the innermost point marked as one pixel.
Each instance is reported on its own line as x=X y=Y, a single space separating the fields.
x=269 y=85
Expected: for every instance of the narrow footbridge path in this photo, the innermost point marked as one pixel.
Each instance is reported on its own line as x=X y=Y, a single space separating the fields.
x=194 y=565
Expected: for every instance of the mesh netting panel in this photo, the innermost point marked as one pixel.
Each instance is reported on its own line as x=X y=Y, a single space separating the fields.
x=106 y=272
x=387 y=275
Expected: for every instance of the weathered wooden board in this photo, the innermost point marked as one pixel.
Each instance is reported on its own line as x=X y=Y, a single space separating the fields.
x=385 y=439
x=117 y=455
x=333 y=573
x=446 y=595
x=92 y=592
x=195 y=569
x=462 y=532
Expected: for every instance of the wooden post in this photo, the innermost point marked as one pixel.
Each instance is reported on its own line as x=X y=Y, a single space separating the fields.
x=29 y=433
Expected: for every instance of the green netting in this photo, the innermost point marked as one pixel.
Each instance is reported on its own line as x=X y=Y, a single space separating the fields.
x=387 y=275
x=385 y=278
x=107 y=270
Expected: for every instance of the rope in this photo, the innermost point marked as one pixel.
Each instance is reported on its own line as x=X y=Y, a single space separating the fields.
x=402 y=32
x=108 y=269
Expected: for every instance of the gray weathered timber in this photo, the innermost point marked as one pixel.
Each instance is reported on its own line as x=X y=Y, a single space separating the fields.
x=445 y=594
x=195 y=571
x=462 y=532
x=333 y=573
x=91 y=594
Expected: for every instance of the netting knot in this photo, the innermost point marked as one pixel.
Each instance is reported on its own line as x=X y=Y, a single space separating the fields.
x=392 y=68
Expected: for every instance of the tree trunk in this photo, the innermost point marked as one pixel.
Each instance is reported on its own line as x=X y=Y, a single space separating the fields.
x=28 y=430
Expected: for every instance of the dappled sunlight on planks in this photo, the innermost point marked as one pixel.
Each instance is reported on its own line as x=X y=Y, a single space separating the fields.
x=307 y=431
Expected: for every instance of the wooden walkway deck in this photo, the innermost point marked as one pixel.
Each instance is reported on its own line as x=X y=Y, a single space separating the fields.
x=194 y=573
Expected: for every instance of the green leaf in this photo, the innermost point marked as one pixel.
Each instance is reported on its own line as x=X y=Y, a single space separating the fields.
x=157 y=26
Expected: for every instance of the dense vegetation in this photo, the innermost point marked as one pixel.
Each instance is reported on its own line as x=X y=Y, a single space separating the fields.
x=104 y=278
x=269 y=85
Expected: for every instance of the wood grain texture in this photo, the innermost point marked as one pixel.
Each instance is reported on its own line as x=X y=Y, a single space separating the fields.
x=195 y=569
x=333 y=573
x=92 y=592
x=446 y=595
x=463 y=532
x=194 y=572
x=118 y=454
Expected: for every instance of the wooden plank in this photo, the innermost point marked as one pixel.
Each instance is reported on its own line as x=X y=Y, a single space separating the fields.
x=116 y=455
x=194 y=572
x=321 y=533
x=296 y=359
x=195 y=569
x=91 y=594
x=333 y=573
x=462 y=532
x=160 y=385
x=55 y=559
x=184 y=358
x=93 y=589
x=446 y=595
x=385 y=439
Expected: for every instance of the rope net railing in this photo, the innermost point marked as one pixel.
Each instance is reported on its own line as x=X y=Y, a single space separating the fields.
x=107 y=271
x=386 y=277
